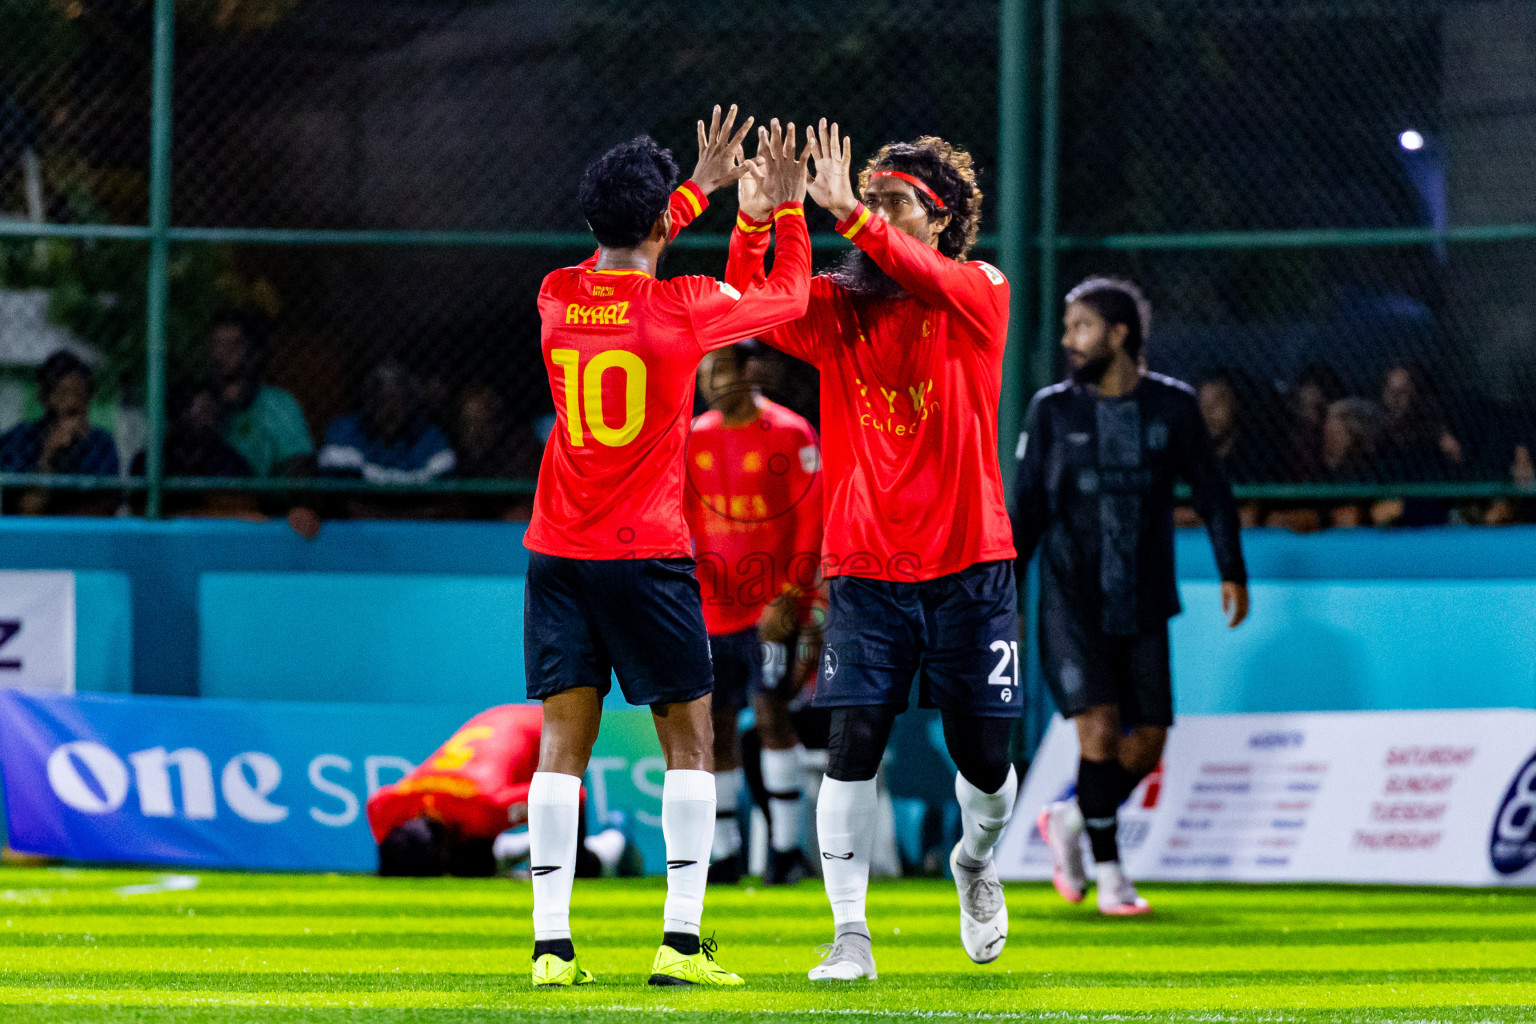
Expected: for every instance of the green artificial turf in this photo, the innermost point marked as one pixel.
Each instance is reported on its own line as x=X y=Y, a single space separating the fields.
x=350 y=950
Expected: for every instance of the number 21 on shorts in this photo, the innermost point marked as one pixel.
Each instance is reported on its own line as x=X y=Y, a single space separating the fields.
x=584 y=392
x=1009 y=651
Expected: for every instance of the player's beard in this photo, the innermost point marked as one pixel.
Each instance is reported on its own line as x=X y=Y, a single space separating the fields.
x=1092 y=370
x=858 y=274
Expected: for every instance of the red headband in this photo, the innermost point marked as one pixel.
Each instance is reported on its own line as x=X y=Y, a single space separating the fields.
x=920 y=185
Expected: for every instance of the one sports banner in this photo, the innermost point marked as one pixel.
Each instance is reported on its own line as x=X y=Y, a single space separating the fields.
x=250 y=784
x=1408 y=797
x=37 y=631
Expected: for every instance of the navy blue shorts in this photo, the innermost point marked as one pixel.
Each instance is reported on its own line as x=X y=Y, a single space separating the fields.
x=958 y=634
x=738 y=659
x=641 y=619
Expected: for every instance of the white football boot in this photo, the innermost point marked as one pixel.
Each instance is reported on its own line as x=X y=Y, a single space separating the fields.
x=983 y=913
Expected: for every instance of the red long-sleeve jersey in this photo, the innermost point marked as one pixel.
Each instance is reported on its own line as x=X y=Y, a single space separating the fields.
x=909 y=395
x=621 y=348
x=754 y=504
x=476 y=783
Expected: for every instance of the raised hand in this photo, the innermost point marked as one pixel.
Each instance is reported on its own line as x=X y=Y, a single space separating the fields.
x=784 y=175
x=832 y=188
x=749 y=192
x=720 y=158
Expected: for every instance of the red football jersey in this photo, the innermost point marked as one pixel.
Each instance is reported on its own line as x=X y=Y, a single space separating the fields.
x=622 y=348
x=754 y=504
x=476 y=783
x=909 y=394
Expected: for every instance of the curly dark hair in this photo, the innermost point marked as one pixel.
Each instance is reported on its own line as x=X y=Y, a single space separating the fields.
x=623 y=191
x=947 y=170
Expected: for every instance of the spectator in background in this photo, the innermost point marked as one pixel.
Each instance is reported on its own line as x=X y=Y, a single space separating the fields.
x=1352 y=434
x=1510 y=511
x=195 y=446
x=1228 y=406
x=61 y=442
x=262 y=422
x=490 y=447
x=1416 y=444
x=1317 y=387
x=390 y=440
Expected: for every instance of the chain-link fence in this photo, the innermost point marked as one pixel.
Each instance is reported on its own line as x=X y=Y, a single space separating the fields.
x=280 y=231
x=1329 y=208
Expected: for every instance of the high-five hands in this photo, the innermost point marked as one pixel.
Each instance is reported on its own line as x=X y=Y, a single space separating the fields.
x=832 y=188
x=720 y=157
x=783 y=174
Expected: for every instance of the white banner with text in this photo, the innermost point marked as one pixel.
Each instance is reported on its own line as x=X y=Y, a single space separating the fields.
x=1409 y=797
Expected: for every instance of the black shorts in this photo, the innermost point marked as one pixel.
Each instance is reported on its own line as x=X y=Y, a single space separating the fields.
x=1086 y=667
x=640 y=619
x=745 y=665
x=958 y=634
x=738 y=659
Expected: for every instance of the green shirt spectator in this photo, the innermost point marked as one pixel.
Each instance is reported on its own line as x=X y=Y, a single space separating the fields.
x=270 y=431
x=261 y=422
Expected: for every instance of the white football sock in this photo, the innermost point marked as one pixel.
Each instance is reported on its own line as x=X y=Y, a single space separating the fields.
x=554 y=805
x=727 y=825
x=845 y=819
x=687 y=822
x=983 y=816
x=783 y=778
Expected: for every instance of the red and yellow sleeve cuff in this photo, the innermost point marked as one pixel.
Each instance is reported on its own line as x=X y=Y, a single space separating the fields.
x=791 y=209
x=694 y=196
x=747 y=226
x=856 y=221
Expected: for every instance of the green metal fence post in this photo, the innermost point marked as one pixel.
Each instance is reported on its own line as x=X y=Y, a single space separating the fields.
x=159 y=250
x=1013 y=255
x=1042 y=360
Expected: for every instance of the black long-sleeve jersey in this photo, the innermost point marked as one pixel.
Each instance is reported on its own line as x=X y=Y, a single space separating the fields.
x=1095 y=487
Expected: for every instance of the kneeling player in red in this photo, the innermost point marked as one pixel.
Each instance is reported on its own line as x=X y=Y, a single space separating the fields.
x=445 y=817
x=611 y=588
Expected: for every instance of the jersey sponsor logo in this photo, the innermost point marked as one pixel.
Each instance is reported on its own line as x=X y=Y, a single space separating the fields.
x=609 y=314
x=993 y=274
x=897 y=411
x=1512 y=847
x=727 y=290
x=810 y=459
x=1078 y=437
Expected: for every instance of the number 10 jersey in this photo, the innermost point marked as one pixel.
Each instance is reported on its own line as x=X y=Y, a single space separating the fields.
x=622 y=349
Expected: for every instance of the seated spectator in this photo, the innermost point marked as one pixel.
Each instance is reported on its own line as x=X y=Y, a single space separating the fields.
x=195 y=446
x=61 y=442
x=1316 y=388
x=1416 y=445
x=262 y=422
x=1227 y=405
x=1510 y=511
x=490 y=447
x=1352 y=433
x=389 y=440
